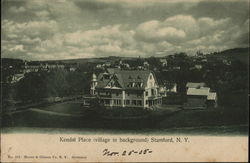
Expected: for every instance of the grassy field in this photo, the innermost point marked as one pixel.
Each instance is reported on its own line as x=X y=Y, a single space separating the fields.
x=197 y=118
x=170 y=119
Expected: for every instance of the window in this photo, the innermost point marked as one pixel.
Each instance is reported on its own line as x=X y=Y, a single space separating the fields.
x=133 y=102
x=107 y=101
x=127 y=102
x=146 y=93
x=106 y=76
x=128 y=94
x=146 y=102
x=116 y=102
x=138 y=84
x=117 y=93
x=139 y=102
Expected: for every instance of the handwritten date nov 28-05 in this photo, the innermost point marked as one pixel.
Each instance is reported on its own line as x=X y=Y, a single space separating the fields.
x=107 y=152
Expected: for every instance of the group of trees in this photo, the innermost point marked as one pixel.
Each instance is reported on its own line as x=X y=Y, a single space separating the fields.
x=37 y=85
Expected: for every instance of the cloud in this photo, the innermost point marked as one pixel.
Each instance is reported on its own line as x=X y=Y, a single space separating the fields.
x=31 y=28
x=45 y=29
x=107 y=40
x=209 y=25
x=104 y=35
x=17 y=48
x=174 y=29
x=187 y=32
x=43 y=15
x=17 y=10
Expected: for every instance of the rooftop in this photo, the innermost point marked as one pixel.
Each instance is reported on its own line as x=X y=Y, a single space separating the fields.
x=126 y=79
x=195 y=85
x=204 y=91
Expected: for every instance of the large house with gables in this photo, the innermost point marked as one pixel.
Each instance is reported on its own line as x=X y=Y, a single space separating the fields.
x=126 y=88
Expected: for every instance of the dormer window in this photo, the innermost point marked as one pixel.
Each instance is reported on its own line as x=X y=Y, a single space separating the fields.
x=106 y=76
x=130 y=84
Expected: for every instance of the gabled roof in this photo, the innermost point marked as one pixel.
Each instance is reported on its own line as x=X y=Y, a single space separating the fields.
x=125 y=78
x=194 y=85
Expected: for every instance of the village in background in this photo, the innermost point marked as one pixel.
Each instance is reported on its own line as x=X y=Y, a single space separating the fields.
x=205 y=89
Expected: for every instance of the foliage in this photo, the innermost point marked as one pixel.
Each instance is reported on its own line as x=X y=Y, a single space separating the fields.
x=35 y=86
x=31 y=87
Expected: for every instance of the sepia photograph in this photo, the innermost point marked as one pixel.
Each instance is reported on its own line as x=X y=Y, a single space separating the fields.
x=79 y=73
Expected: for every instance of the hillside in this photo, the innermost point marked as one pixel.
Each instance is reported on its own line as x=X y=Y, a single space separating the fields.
x=241 y=54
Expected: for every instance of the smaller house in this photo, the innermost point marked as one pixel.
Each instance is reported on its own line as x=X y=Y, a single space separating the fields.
x=226 y=62
x=108 y=64
x=145 y=64
x=16 y=78
x=140 y=68
x=196 y=67
x=204 y=60
x=126 y=65
x=212 y=100
x=176 y=67
x=164 y=62
x=120 y=62
x=162 y=91
x=100 y=66
x=173 y=89
x=200 y=97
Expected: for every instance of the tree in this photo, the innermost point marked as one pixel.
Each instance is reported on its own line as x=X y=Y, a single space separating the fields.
x=31 y=87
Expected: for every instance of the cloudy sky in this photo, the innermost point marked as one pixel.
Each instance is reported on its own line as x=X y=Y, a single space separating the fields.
x=65 y=29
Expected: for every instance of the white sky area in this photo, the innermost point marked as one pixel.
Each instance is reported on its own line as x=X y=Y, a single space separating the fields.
x=68 y=29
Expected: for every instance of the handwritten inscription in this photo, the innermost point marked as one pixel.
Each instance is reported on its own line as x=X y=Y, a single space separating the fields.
x=107 y=152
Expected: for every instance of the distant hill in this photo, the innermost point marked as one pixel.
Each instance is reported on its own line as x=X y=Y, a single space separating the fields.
x=95 y=60
x=241 y=54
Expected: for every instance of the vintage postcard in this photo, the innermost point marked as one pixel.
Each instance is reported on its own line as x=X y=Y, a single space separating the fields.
x=124 y=80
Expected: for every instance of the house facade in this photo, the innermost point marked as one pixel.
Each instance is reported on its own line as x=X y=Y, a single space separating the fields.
x=126 y=88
